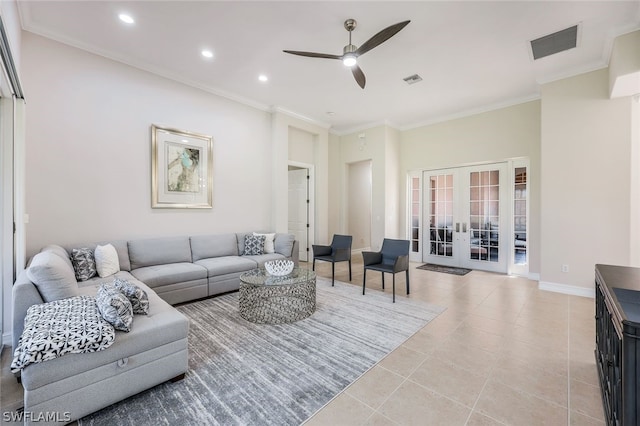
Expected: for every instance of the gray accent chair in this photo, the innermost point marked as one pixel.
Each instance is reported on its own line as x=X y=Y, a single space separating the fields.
x=392 y=258
x=338 y=251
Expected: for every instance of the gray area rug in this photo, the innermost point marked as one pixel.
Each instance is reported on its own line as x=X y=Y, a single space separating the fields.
x=444 y=269
x=242 y=373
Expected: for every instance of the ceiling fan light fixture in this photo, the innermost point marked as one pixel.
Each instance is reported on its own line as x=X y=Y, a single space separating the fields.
x=349 y=59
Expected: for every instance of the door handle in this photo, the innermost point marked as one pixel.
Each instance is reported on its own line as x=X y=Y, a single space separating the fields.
x=464 y=227
x=457 y=226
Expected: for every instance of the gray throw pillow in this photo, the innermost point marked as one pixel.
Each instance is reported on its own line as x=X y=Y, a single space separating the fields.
x=137 y=296
x=114 y=307
x=253 y=244
x=84 y=263
x=53 y=277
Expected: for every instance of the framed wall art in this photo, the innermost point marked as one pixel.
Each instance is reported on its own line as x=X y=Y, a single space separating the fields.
x=181 y=169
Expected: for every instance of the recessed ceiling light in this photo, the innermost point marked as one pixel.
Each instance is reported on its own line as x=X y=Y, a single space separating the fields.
x=127 y=19
x=263 y=78
x=207 y=53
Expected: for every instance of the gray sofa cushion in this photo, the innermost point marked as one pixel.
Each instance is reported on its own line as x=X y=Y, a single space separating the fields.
x=227 y=265
x=284 y=244
x=159 y=251
x=159 y=275
x=54 y=278
x=207 y=246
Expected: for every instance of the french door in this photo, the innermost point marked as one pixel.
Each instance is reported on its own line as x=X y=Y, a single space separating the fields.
x=466 y=217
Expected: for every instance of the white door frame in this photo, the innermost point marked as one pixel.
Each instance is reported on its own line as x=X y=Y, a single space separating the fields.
x=311 y=235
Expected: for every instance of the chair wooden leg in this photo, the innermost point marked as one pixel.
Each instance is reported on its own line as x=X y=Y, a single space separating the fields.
x=383 y=280
x=314 y=265
x=349 y=269
x=364 y=280
x=333 y=273
x=407 y=281
x=394 y=288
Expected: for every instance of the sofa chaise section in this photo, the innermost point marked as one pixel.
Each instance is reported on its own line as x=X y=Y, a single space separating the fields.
x=153 y=352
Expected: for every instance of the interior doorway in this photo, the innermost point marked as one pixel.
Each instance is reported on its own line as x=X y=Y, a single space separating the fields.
x=300 y=222
x=359 y=204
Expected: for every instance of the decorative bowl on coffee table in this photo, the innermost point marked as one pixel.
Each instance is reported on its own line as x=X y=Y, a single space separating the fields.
x=279 y=267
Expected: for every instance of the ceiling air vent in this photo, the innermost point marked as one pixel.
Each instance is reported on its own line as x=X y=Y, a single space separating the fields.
x=554 y=43
x=412 y=79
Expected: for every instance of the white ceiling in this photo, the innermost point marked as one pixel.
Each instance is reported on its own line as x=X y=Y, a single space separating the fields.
x=472 y=56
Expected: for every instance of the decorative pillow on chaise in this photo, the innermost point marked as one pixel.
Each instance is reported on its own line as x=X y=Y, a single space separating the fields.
x=269 y=246
x=253 y=244
x=137 y=296
x=53 y=276
x=114 y=307
x=107 y=262
x=53 y=329
x=84 y=264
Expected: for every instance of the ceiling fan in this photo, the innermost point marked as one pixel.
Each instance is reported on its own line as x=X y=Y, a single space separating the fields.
x=351 y=53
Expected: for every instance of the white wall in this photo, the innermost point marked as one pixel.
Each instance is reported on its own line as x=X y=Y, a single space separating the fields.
x=301 y=146
x=89 y=151
x=368 y=145
x=359 y=204
x=488 y=137
x=586 y=178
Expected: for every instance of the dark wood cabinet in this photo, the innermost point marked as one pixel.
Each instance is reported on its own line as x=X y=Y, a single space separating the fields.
x=617 y=346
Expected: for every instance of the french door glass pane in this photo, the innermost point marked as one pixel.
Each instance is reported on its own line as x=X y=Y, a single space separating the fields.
x=415 y=214
x=484 y=215
x=441 y=215
x=520 y=216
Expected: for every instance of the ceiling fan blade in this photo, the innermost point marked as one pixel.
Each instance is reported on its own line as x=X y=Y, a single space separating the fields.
x=359 y=75
x=313 y=54
x=381 y=37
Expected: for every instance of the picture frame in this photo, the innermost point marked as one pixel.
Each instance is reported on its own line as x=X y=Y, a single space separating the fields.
x=181 y=169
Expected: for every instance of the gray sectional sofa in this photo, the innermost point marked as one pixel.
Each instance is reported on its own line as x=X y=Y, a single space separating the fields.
x=171 y=270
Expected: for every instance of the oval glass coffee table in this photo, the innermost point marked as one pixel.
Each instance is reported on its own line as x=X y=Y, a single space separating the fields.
x=269 y=299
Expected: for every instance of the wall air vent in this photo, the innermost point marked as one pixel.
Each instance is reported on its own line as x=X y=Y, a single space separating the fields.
x=554 y=43
x=412 y=79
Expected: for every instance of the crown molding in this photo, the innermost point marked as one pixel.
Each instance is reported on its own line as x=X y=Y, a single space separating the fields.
x=292 y=114
x=473 y=111
x=367 y=126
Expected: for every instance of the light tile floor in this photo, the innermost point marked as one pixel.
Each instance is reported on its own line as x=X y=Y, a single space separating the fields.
x=503 y=353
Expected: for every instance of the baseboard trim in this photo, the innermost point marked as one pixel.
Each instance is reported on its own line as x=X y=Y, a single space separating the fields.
x=567 y=289
x=534 y=276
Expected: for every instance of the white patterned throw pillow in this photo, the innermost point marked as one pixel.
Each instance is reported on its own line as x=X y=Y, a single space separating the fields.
x=137 y=296
x=114 y=307
x=269 y=242
x=253 y=245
